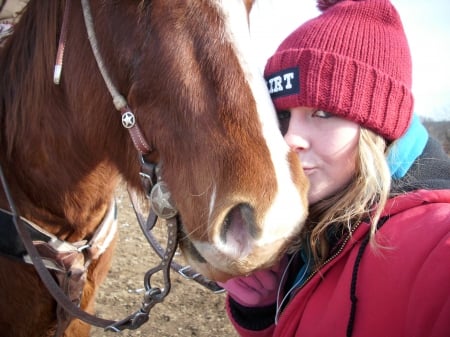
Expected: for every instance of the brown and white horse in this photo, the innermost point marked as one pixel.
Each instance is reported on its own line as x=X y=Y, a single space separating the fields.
x=186 y=71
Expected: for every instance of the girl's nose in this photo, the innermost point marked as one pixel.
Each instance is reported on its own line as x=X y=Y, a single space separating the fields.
x=297 y=134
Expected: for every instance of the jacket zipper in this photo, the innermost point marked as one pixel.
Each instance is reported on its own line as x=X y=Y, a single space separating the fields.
x=331 y=258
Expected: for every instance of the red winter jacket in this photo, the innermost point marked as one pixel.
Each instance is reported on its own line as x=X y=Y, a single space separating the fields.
x=402 y=290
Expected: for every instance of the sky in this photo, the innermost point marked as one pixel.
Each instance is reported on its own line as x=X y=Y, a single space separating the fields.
x=427 y=26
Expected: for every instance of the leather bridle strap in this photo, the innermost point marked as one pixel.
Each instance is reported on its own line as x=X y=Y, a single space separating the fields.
x=128 y=118
x=120 y=103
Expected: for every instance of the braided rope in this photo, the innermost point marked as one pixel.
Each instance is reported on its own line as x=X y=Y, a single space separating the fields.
x=118 y=100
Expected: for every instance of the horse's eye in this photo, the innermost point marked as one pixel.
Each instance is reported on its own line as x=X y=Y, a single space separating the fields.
x=284 y=117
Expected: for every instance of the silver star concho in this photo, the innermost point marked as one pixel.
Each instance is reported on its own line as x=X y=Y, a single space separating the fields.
x=161 y=201
x=128 y=119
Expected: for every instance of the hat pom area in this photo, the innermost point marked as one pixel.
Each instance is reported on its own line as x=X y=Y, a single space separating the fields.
x=325 y=4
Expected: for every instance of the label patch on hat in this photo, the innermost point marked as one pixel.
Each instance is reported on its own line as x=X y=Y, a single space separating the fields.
x=284 y=83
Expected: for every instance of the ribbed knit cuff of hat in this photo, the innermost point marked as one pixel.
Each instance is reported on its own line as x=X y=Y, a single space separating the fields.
x=353 y=60
x=345 y=87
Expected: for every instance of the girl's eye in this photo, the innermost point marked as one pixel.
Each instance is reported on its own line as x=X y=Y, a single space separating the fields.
x=322 y=114
x=283 y=118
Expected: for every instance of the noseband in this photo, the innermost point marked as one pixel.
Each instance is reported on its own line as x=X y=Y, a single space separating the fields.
x=156 y=191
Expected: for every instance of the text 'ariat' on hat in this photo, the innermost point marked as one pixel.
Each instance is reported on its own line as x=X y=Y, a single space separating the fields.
x=353 y=61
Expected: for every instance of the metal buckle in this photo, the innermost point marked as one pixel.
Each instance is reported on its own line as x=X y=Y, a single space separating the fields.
x=188 y=277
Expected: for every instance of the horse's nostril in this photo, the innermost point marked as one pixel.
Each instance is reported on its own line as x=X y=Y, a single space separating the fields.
x=239 y=228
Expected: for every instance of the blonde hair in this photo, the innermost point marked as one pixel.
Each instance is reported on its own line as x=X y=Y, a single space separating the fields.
x=362 y=199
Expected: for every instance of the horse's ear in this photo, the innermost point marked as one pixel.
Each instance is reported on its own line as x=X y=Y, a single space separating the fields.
x=249 y=5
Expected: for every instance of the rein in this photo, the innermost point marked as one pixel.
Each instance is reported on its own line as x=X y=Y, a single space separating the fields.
x=161 y=206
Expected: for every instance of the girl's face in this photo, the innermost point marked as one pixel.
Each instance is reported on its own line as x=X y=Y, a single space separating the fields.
x=326 y=145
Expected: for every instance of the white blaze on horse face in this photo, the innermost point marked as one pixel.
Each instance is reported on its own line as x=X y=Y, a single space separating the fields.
x=287 y=211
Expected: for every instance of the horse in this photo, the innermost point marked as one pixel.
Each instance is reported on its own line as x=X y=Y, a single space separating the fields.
x=201 y=112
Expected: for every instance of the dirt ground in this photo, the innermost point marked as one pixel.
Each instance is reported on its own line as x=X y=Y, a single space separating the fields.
x=188 y=310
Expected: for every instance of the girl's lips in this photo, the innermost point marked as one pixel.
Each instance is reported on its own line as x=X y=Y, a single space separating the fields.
x=308 y=169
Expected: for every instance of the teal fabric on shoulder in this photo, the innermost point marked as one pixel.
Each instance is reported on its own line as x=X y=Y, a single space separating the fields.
x=405 y=150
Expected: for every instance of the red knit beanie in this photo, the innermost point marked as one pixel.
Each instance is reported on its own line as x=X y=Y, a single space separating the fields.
x=353 y=61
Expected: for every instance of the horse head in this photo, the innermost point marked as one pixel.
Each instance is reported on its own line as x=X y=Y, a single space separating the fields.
x=205 y=108
x=187 y=72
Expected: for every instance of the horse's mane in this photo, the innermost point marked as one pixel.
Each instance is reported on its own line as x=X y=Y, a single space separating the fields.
x=25 y=66
x=39 y=130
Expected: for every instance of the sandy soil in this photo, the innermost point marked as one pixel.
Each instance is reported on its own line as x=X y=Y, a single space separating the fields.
x=12 y=9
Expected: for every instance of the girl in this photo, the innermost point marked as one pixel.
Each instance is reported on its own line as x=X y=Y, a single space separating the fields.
x=373 y=258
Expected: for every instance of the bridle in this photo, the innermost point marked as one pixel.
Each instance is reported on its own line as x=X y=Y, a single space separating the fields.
x=161 y=207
